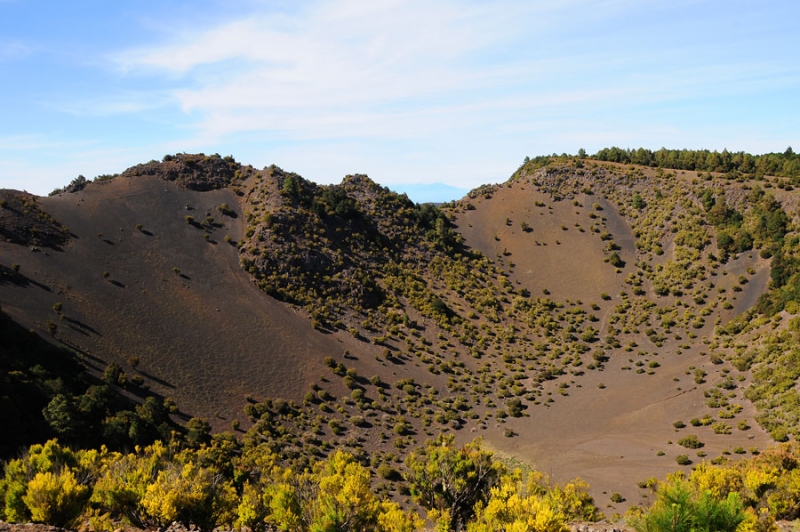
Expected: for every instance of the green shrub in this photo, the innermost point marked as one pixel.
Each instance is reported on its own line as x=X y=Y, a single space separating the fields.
x=679 y=509
x=779 y=434
x=690 y=442
x=514 y=407
x=721 y=428
x=227 y=211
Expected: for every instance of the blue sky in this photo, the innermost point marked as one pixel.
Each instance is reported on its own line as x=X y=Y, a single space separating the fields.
x=454 y=92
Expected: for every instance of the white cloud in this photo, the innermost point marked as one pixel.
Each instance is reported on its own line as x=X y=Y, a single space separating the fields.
x=331 y=34
x=411 y=91
x=401 y=69
x=343 y=67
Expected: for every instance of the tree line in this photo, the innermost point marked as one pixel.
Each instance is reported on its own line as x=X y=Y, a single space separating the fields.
x=786 y=164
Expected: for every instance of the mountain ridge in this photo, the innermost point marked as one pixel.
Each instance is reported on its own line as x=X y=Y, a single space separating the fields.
x=369 y=314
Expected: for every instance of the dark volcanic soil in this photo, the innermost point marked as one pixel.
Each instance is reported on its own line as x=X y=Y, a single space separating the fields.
x=128 y=291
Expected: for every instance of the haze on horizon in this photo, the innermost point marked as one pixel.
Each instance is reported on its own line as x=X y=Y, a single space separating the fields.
x=406 y=91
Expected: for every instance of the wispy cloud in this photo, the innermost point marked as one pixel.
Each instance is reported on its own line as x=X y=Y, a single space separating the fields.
x=327 y=36
x=417 y=91
x=14 y=50
x=396 y=69
x=345 y=67
x=35 y=142
x=120 y=103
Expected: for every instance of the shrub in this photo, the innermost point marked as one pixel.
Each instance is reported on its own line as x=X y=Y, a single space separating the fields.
x=113 y=374
x=683 y=459
x=532 y=505
x=690 y=442
x=679 y=509
x=227 y=211
x=615 y=260
x=448 y=478
x=387 y=472
x=514 y=407
x=335 y=427
x=55 y=498
x=189 y=494
x=721 y=428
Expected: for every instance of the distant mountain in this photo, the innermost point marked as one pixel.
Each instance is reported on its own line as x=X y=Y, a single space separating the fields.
x=429 y=192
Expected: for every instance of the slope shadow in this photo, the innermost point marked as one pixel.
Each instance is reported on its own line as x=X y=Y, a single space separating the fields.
x=11 y=276
x=82 y=325
x=153 y=378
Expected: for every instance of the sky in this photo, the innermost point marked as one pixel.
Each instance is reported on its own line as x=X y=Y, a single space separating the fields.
x=412 y=93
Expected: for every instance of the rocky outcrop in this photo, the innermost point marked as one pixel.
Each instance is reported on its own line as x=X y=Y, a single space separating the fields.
x=23 y=222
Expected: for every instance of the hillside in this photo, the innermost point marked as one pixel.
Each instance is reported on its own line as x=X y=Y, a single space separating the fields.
x=579 y=317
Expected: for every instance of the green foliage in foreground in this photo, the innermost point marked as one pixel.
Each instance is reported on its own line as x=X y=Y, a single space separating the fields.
x=746 y=495
x=462 y=487
x=679 y=509
x=452 y=480
x=224 y=485
x=158 y=485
